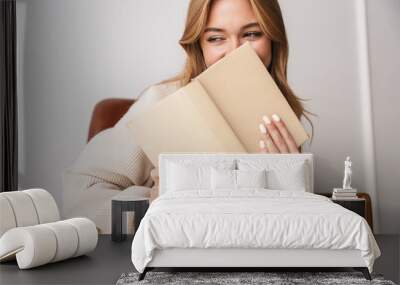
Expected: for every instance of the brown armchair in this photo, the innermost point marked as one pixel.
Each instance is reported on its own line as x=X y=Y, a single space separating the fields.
x=107 y=113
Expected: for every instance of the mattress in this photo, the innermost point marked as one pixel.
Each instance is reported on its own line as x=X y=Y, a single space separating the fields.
x=250 y=219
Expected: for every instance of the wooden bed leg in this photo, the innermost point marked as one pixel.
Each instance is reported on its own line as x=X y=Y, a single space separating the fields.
x=364 y=271
x=143 y=274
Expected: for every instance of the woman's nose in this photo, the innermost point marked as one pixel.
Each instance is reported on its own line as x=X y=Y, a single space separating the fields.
x=234 y=44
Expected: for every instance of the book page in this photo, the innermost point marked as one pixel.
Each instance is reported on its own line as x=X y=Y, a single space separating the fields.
x=242 y=89
x=185 y=121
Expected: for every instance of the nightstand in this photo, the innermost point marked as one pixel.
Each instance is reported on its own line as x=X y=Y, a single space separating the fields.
x=367 y=205
x=356 y=205
x=135 y=199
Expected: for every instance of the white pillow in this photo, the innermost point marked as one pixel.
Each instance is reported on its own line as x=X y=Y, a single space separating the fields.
x=223 y=179
x=187 y=174
x=256 y=178
x=281 y=174
x=182 y=177
x=293 y=178
x=237 y=179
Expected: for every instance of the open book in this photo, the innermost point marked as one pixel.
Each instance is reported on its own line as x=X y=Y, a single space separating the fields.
x=218 y=111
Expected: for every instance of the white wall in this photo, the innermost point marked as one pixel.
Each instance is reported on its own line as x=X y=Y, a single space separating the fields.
x=73 y=53
x=344 y=56
x=324 y=67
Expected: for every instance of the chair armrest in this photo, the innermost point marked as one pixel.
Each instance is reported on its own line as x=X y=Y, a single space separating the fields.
x=107 y=113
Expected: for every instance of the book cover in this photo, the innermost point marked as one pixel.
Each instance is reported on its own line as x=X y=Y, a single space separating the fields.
x=218 y=111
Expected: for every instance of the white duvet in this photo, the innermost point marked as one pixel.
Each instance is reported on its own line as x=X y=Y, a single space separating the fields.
x=251 y=218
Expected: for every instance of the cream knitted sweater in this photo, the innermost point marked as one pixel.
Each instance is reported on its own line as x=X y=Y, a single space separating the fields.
x=110 y=162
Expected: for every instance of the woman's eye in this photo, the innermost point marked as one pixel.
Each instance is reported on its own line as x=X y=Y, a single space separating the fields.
x=214 y=39
x=253 y=34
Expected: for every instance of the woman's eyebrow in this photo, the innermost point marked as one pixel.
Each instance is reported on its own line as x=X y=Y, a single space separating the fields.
x=213 y=29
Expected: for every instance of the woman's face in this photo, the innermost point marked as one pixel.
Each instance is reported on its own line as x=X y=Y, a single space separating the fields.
x=230 y=24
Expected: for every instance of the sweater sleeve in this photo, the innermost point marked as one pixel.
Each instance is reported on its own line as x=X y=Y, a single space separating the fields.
x=110 y=162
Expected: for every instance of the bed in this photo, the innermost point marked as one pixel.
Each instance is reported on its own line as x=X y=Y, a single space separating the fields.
x=247 y=210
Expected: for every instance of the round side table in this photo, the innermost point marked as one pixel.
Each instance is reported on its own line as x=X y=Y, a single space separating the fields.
x=134 y=199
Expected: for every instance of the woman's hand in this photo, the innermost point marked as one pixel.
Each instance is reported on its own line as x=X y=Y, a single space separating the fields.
x=275 y=137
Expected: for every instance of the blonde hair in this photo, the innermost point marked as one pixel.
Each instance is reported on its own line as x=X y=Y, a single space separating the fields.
x=269 y=16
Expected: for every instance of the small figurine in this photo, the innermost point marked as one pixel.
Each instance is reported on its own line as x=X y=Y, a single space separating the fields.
x=347 y=173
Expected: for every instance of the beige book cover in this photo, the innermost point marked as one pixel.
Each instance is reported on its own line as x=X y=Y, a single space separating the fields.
x=218 y=111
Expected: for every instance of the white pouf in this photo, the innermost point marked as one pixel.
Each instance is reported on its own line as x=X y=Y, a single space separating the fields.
x=31 y=232
x=27 y=208
x=40 y=244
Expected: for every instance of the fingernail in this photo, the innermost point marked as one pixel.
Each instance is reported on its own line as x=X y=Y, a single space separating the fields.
x=262 y=144
x=262 y=128
x=276 y=118
x=266 y=119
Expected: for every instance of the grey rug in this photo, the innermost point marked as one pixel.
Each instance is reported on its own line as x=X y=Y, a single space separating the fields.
x=229 y=278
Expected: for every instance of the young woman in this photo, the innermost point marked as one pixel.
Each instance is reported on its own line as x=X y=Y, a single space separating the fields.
x=112 y=162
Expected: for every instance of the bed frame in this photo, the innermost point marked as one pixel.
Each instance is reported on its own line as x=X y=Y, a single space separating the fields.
x=241 y=259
